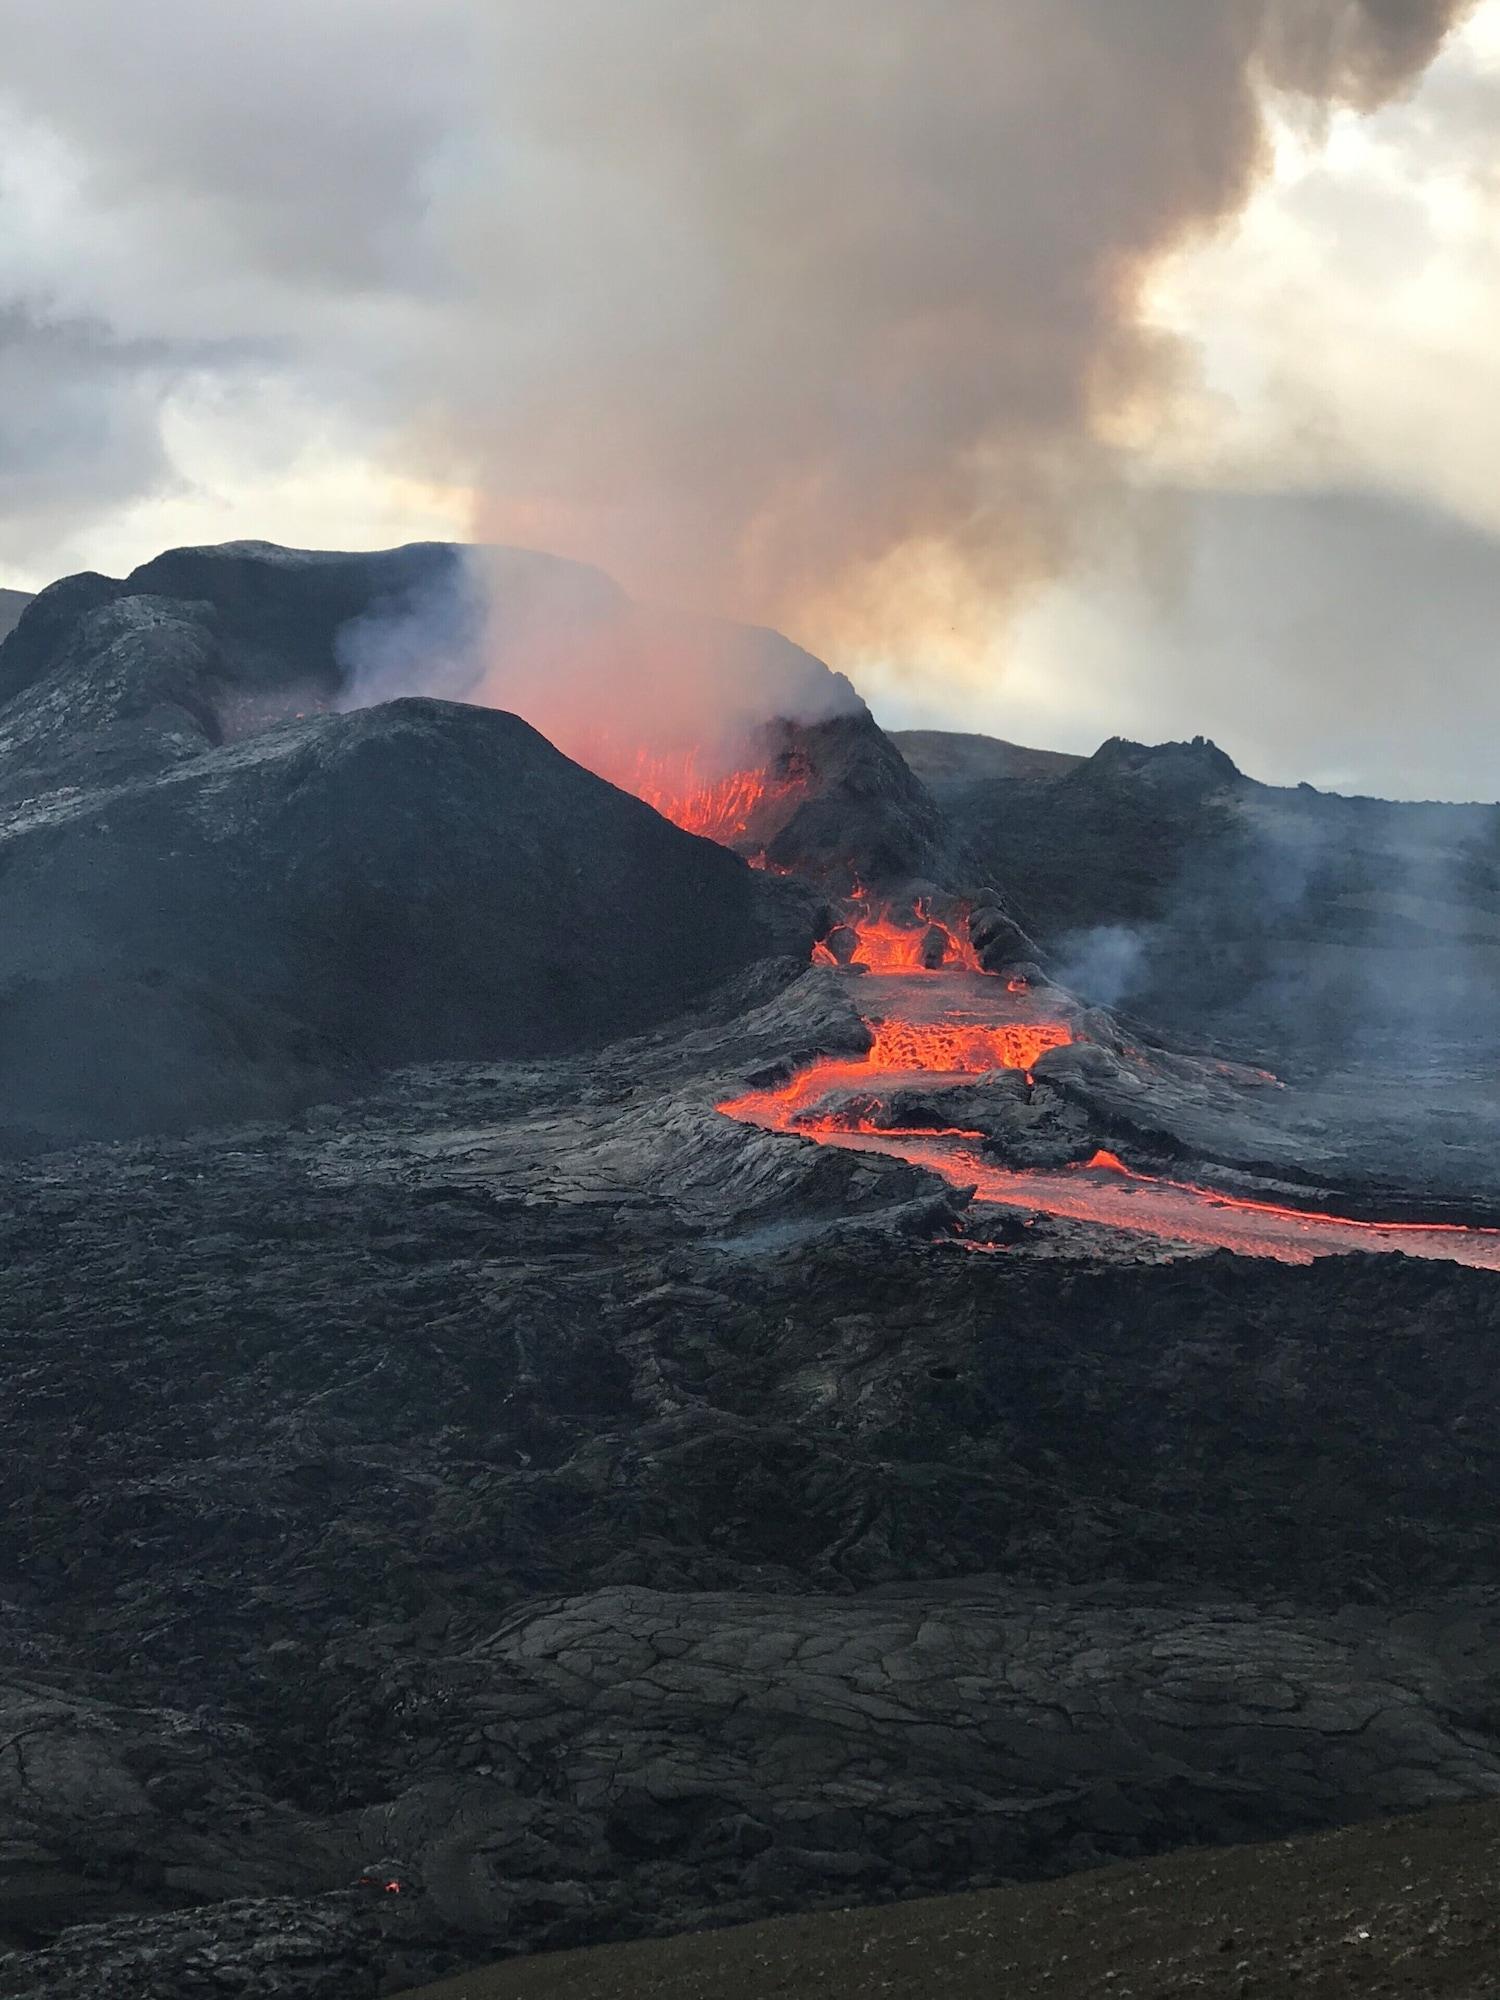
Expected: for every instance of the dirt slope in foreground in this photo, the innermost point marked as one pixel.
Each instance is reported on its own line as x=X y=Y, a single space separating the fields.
x=1402 y=1907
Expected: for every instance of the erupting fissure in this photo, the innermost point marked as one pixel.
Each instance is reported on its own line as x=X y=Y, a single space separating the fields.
x=722 y=809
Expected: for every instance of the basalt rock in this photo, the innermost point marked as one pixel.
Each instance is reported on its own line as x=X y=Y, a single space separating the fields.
x=999 y=940
x=631 y=1520
x=864 y=815
x=254 y=1949
x=105 y=679
x=843 y=943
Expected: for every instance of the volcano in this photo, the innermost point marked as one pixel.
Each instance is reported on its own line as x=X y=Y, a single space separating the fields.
x=638 y=1332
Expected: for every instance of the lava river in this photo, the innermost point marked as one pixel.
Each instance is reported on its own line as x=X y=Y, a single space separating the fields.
x=948 y=1026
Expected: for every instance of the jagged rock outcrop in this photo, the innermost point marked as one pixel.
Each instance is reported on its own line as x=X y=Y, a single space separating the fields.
x=865 y=816
x=106 y=677
x=254 y=1948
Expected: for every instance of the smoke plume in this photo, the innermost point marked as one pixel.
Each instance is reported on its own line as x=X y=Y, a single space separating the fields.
x=830 y=316
x=823 y=316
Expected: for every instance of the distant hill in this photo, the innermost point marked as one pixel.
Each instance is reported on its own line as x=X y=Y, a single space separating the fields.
x=1162 y=879
x=12 y=604
x=950 y=764
x=1402 y=1906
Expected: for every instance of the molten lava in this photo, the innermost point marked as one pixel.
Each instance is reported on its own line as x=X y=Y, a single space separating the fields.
x=913 y=941
x=888 y=946
x=959 y=1047
x=898 y=1050
x=838 y=1102
x=697 y=788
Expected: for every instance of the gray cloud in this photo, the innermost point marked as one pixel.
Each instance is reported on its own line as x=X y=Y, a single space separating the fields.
x=1360 y=52
x=79 y=424
x=1344 y=638
x=293 y=142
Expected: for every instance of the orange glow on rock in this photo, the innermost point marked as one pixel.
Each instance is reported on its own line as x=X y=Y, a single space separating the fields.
x=719 y=808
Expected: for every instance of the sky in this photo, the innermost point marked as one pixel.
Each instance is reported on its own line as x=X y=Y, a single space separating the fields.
x=1057 y=368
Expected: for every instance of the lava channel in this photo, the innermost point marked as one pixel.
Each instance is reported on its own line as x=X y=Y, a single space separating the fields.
x=835 y=1102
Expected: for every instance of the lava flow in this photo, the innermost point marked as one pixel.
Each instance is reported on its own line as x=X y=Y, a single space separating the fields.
x=700 y=788
x=955 y=1047
x=837 y=1103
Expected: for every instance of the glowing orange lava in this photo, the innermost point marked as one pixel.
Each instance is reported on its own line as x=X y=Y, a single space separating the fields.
x=906 y=940
x=836 y=1104
x=898 y=1050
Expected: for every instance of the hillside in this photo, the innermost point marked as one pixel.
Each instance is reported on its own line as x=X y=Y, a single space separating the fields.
x=1405 y=1907
x=951 y=764
x=503 y=1457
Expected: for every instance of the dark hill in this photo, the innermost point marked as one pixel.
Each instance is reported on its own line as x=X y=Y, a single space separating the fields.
x=1404 y=1907
x=221 y=898
x=105 y=678
x=865 y=814
x=950 y=764
x=257 y=923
